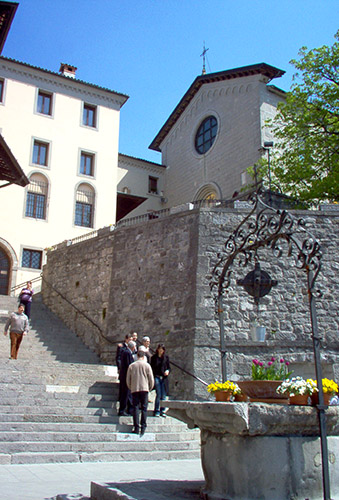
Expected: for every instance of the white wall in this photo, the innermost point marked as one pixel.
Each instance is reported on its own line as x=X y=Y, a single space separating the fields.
x=134 y=173
x=20 y=124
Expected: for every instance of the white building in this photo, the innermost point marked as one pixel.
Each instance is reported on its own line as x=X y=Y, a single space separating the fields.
x=140 y=187
x=64 y=134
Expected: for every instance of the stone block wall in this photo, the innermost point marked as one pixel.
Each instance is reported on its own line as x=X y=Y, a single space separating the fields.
x=81 y=273
x=154 y=278
x=284 y=311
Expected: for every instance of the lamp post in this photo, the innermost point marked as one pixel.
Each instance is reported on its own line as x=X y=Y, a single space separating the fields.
x=267 y=147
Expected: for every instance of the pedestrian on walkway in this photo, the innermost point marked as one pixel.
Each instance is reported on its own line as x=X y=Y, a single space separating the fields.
x=140 y=381
x=120 y=349
x=25 y=298
x=146 y=342
x=161 y=368
x=19 y=326
x=125 y=398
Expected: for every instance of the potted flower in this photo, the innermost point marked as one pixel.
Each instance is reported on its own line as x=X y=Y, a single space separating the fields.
x=266 y=378
x=223 y=391
x=330 y=389
x=298 y=390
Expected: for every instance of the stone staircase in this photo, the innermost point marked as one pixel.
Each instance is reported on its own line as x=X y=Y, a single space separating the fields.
x=58 y=403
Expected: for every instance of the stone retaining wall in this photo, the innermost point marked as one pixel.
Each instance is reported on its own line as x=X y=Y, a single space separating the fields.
x=154 y=278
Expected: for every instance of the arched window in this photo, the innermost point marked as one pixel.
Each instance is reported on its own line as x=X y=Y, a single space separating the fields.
x=84 y=206
x=36 y=198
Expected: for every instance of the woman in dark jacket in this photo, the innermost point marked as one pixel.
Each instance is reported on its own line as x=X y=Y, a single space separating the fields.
x=161 y=368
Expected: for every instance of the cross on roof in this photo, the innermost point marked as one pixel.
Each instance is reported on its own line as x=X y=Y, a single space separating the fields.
x=203 y=55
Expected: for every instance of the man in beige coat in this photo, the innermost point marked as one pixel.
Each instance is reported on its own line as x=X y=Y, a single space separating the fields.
x=140 y=381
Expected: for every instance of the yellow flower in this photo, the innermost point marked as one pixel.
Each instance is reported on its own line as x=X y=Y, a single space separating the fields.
x=329 y=386
x=224 y=386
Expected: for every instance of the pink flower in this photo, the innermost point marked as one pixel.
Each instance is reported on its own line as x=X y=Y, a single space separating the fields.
x=270 y=363
x=255 y=362
x=273 y=358
x=287 y=363
x=282 y=360
x=261 y=364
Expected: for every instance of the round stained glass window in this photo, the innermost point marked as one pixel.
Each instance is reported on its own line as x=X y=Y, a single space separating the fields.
x=206 y=134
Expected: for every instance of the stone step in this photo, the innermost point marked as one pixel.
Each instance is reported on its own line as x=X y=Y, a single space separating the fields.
x=136 y=444
x=58 y=391
x=58 y=403
x=8 y=304
x=119 y=456
x=42 y=417
x=122 y=425
x=90 y=415
x=68 y=399
x=89 y=437
x=36 y=409
x=24 y=403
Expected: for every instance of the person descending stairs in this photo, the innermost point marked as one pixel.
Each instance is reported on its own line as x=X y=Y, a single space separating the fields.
x=58 y=402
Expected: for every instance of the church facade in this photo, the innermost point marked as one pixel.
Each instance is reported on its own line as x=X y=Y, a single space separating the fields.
x=216 y=133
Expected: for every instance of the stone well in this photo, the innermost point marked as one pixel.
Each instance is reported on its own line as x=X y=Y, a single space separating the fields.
x=257 y=451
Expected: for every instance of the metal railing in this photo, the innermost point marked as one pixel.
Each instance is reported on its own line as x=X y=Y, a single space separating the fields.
x=155 y=214
x=159 y=214
x=101 y=332
x=21 y=285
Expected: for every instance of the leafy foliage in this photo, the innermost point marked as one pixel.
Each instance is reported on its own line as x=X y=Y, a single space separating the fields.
x=306 y=129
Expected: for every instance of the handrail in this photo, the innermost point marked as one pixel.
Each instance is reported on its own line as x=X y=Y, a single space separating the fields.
x=20 y=285
x=103 y=336
x=180 y=367
x=78 y=310
x=157 y=214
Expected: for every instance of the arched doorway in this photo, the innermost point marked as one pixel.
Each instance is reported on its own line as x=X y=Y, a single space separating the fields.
x=208 y=192
x=5 y=271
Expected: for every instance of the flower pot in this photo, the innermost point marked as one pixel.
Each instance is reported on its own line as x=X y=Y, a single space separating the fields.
x=258 y=333
x=240 y=398
x=263 y=391
x=299 y=399
x=223 y=395
x=315 y=398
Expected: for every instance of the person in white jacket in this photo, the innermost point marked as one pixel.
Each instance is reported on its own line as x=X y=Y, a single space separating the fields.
x=140 y=381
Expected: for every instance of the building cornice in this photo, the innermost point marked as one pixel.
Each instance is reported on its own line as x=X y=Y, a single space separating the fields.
x=140 y=163
x=63 y=81
x=264 y=69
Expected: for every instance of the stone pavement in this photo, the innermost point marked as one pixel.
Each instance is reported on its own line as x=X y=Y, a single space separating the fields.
x=149 y=480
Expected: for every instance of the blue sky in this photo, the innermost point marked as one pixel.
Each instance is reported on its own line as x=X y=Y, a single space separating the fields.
x=150 y=49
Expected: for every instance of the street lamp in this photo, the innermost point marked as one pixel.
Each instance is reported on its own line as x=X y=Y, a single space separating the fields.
x=267 y=147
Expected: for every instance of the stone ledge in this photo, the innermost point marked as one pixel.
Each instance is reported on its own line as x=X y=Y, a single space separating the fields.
x=253 y=419
x=105 y=492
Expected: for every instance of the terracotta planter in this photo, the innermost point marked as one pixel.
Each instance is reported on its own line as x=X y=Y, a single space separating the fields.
x=223 y=395
x=315 y=398
x=299 y=399
x=263 y=391
x=240 y=398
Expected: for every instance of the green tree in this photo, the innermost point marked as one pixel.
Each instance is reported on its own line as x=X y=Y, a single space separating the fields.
x=306 y=128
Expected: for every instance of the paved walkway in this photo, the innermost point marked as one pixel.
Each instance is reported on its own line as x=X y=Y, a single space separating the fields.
x=176 y=479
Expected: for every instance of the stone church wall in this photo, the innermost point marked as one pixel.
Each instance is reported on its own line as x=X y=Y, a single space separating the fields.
x=154 y=278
